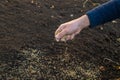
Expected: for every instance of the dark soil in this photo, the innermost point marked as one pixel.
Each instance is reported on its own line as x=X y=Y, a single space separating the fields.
x=28 y=50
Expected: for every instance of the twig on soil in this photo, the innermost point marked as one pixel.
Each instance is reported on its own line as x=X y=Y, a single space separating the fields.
x=66 y=48
x=107 y=59
x=116 y=64
x=84 y=3
x=94 y=4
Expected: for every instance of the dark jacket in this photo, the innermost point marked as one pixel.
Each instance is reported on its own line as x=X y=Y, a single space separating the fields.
x=104 y=13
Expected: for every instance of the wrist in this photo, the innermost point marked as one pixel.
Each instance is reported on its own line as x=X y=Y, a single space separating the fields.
x=83 y=21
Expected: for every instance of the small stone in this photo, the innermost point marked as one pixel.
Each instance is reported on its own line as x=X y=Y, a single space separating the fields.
x=54 y=67
x=39 y=6
x=71 y=15
x=52 y=7
x=101 y=28
x=72 y=73
x=102 y=68
x=52 y=16
x=32 y=1
x=81 y=10
x=33 y=71
x=33 y=50
x=114 y=22
x=118 y=39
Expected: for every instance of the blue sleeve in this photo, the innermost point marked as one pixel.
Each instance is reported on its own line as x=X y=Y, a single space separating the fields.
x=104 y=13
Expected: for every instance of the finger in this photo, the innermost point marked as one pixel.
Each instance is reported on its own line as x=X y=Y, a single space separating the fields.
x=60 y=28
x=72 y=36
x=60 y=35
x=67 y=37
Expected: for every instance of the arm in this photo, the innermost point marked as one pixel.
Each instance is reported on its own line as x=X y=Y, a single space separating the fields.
x=104 y=13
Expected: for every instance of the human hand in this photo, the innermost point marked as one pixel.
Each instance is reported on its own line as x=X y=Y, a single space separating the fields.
x=68 y=30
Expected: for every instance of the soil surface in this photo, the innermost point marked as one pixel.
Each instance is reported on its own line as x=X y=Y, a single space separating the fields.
x=28 y=50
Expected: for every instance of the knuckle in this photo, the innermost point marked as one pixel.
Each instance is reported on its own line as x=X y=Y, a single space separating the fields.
x=62 y=25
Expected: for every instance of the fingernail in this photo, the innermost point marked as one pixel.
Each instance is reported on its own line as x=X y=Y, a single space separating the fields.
x=57 y=39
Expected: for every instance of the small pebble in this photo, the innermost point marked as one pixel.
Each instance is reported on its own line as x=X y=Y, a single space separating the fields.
x=71 y=15
x=114 y=22
x=102 y=68
x=52 y=7
x=101 y=28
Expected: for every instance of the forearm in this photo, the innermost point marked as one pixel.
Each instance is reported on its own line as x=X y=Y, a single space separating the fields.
x=104 y=13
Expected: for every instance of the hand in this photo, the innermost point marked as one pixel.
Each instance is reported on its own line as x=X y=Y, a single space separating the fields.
x=68 y=30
